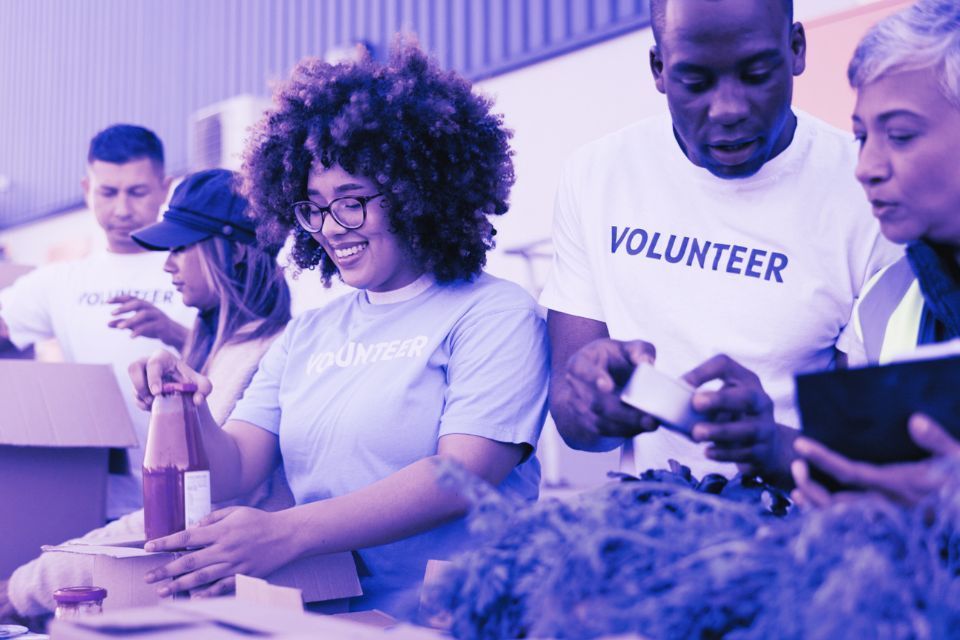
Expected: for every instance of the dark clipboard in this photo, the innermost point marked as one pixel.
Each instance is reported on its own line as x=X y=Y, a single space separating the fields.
x=863 y=413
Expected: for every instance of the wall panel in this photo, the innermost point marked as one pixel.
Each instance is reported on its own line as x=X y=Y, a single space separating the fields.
x=69 y=68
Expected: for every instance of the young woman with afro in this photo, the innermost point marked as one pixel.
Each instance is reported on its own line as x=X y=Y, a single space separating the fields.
x=387 y=175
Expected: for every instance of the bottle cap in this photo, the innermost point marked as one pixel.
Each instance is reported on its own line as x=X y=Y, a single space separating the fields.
x=74 y=595
x=178 y=387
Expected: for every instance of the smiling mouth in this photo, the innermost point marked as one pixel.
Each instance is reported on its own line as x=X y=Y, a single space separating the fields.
x=349 y=252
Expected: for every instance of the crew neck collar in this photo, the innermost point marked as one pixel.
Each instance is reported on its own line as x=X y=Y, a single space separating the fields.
x=771 y=171
x=402 y=294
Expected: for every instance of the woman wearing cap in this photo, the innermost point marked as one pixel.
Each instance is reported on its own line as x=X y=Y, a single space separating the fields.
x=906 y=71
x=243 y=303
x=386 y=174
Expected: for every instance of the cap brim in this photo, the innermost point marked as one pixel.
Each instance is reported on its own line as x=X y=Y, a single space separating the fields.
x=166 y=235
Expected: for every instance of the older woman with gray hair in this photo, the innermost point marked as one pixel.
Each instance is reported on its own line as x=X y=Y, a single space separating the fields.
x=906 y=72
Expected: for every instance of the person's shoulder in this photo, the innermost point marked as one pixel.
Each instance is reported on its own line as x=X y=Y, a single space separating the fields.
x=827 y=142
x=492 y=293
x=634 y=137
x=335 y=307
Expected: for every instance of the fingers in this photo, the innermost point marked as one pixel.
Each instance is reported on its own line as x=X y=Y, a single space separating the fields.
x=148 y=328
x=846 y=471
x=743 y=432
x=740 y=455
x=720 y=367
x=157 y=366
x=194 y=579
x=194 y=537
x=216 y=516
x=737 y=399
x=931 y=436
x=640 y=351
x=127 y=304
x=221 y=587
x=591 y=370
x=606 y=364
x=138 y=375
x=605 y=414
x=807 y=493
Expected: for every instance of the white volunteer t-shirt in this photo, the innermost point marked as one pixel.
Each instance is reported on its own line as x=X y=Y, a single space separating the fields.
x=765 y=269
x=68 y=301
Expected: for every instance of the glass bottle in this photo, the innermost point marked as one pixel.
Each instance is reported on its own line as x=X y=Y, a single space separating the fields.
x=176 y=472
x=73 y=602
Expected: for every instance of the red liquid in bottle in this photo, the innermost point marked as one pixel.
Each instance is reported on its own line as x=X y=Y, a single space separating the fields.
x=176 y=473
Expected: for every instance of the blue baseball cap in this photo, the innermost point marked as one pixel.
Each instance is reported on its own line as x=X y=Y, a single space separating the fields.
x=204 y=204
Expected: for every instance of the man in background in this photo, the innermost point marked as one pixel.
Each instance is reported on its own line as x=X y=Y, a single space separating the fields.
x=113 y=306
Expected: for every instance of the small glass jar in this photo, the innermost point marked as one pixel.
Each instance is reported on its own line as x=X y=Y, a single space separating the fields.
x=74 y=602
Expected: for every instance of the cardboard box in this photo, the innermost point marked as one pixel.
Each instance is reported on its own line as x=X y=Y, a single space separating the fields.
x=120 y=569
x=57 y=421
x=9 y=272
x=226 y=619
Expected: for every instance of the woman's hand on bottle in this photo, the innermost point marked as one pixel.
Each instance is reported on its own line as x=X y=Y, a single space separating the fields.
x=149 y=374
x=233 y=540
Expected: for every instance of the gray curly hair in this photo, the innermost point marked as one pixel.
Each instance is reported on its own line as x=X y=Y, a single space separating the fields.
x=925 y=35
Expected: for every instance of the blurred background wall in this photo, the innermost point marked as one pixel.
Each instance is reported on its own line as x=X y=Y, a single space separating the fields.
x=562 y=72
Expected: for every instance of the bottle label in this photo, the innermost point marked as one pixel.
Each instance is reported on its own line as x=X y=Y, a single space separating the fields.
x=196 y=496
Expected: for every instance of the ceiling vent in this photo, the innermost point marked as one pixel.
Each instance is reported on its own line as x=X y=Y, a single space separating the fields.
x=219 y=132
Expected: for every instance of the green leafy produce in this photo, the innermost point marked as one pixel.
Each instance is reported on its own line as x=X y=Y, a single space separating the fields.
x=667 y=556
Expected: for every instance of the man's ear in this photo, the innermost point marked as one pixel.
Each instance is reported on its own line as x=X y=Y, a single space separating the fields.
x=798 y=47
x=165 y=185
x=85 y=185
x=656 y=67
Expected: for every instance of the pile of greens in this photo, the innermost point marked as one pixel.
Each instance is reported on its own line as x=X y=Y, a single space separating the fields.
x=666 y=556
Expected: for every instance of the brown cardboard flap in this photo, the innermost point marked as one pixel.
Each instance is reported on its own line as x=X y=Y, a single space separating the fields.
x=323 y=577
x=57 y=404
x=319 y=578
x=259 y=591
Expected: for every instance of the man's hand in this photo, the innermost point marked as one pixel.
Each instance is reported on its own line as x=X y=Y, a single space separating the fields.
x=741 y=427
x=904 y=482
x=595 y=374
x=147 y=321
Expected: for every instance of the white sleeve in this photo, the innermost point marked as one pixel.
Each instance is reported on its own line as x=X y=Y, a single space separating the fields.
x=24 y=306
x=883 y=253
x=571 y=287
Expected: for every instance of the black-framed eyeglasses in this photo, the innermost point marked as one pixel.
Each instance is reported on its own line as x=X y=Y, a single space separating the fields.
x=350 y=212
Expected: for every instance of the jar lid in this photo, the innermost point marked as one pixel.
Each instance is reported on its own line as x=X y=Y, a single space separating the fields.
x=79 y=594
x=178 y=387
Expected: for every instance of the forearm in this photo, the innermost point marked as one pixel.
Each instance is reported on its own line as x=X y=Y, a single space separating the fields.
x=404 y=504
x=227 y=479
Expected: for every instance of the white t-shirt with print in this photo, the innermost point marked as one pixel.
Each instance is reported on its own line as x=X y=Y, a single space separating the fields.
x=68 y=301
x=765 y=269
x=357 y=391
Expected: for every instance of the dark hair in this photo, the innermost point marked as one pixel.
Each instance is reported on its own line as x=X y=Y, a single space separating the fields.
x=433 y=147
x=254 y=299
x=658 y=15
x=122 y=143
